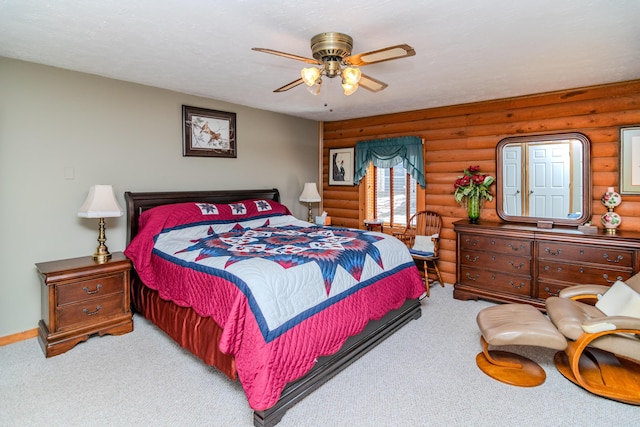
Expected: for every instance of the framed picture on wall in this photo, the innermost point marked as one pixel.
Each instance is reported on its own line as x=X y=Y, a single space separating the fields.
x=630 y=160
x=341 y=163
x=208 y=133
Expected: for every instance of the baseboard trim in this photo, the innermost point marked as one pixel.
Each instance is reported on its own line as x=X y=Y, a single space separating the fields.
x=20 y=336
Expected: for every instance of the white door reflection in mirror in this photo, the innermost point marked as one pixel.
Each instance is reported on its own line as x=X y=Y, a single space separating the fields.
x=544 y=177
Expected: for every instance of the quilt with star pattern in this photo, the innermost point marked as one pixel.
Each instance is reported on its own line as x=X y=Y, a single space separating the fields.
x=284 y=291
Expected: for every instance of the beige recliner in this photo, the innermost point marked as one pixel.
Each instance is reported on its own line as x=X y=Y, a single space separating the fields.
x=603 y=351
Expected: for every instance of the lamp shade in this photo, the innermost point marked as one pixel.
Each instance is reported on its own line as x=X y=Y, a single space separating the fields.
x=101 y=203
x=310 y=193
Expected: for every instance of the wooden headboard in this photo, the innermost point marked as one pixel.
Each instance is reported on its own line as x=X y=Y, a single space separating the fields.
x=140 y=202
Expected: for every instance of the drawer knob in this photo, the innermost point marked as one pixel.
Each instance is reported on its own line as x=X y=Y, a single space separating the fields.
x=618 y=259
x=92 y=292
x=92 y=313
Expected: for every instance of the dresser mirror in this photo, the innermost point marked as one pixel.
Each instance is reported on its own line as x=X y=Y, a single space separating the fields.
x=544 y=179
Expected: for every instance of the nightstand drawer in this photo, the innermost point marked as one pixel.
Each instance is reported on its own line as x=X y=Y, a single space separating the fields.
x=88 y=289
x=90 y=312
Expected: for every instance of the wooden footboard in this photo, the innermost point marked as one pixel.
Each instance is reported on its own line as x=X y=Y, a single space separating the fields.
x=327 y=367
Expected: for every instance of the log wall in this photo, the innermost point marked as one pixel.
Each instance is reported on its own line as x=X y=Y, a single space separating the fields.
x=462 y=135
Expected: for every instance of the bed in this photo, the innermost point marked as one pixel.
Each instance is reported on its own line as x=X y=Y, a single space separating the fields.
x=182 y=240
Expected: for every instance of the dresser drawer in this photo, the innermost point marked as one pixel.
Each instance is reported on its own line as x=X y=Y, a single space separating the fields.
x=500 y=262
x=612 y=258
x=495 y=281
x=579 y=274
x=87 y=289
x=475 y=243
x=90 y=312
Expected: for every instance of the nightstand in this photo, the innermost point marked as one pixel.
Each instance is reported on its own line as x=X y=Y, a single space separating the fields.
x=80 y=298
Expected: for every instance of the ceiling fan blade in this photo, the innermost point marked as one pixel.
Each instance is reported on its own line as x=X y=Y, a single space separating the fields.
x=287 y=55
x=289 y=85
x=381 y=55
x=369 y=83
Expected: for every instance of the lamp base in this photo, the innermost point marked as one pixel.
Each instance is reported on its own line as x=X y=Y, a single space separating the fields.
x=101 y=258
x=102 y=254
x=310 y=217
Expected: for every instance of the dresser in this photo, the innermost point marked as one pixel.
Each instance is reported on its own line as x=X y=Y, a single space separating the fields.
x=80 y=298
x=507 y=262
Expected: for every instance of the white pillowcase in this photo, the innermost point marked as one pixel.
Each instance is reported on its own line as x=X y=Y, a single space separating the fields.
x=620 y=300
x=424 y=243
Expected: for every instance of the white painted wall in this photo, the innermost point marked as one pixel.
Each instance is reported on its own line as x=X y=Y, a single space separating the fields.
x=54 y=122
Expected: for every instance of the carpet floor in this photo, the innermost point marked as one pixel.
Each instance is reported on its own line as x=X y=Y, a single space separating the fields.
x=423 y=375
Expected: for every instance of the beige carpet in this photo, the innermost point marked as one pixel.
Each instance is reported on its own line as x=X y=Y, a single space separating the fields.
x=424 y=375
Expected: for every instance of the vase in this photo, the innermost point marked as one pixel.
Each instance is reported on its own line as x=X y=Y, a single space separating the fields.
x=611 y=220
x=473 y=208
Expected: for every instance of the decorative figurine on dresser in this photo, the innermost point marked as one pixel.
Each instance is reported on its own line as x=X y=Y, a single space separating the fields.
x=542 y=244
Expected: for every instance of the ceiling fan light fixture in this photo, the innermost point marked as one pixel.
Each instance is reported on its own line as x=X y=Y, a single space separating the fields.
x=314 y=89
x=349 y=88
x=351 y=75
x=310 y=76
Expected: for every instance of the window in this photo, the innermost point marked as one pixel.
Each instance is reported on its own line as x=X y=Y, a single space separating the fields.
x=391 y=195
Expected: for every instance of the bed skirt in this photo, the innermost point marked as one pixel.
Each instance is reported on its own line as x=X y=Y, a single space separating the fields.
x=200 y=335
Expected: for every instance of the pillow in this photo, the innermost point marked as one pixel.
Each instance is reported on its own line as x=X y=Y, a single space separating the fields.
x=620 y=300
x=191 y=212
x=424 y=244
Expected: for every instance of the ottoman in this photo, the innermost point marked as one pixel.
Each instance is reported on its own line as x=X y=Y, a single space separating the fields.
x=515 y=324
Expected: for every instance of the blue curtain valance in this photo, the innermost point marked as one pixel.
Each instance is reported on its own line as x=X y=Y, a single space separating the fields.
x=386 y=153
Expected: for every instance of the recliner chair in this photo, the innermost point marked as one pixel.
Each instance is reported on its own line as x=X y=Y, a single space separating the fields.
x=603 y=352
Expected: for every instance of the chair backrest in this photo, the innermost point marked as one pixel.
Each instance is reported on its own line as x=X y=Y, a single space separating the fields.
x=425 y=223
x=634 y=282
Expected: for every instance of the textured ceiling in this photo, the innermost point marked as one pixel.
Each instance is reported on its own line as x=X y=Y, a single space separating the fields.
x=466 y=50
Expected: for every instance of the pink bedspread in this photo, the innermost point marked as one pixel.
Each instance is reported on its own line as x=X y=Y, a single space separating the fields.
x=275 y=326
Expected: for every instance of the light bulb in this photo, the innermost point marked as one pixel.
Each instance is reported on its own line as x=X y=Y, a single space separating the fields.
x=349 y=88
x=310 y=75
x=351 y=75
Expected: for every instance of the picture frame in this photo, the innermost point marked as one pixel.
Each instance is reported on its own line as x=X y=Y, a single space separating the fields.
x=341 y=164
x=629 y=160
x=208 y=133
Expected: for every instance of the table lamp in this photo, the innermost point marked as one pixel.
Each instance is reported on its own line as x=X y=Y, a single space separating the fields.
x=310 y=195
x=101 y=203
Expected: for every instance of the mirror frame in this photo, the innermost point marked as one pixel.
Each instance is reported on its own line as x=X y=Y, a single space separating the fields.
x=586 y=179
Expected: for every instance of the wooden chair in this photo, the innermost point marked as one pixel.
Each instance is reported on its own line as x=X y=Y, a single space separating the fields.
x=424 y=225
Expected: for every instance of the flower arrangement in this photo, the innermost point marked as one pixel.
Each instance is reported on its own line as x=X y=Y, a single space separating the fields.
x=472 y=184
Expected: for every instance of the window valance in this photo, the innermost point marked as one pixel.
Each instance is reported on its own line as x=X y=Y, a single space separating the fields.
x=388 y=152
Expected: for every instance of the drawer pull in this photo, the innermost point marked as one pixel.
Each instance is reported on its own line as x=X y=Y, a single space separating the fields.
x=550 y=252
x=475 y=258
x=474 y=278
x=547 y=268
x=618 y=259
x=517 y=267
x=471 y=242
x=92 y=292
x=611 y=282
x=518 y=286
x=92 y=313
x=553 y=294
x=516 y=248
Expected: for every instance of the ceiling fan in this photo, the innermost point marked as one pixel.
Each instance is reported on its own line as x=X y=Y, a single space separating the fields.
x=332 y=53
